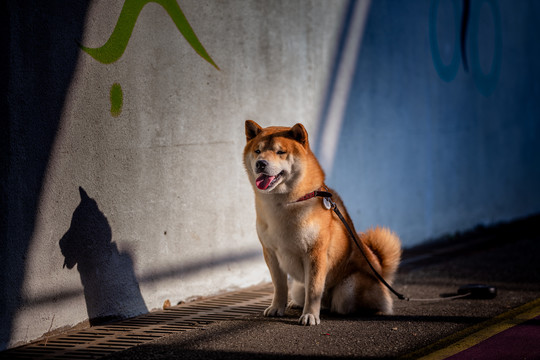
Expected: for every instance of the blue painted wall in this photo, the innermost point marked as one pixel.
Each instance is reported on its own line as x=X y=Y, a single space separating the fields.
x=429 y=146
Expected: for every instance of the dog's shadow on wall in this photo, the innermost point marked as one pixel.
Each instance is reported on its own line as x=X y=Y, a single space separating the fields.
x=111 y=289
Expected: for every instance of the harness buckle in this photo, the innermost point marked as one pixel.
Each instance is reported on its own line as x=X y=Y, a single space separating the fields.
x=328 y=204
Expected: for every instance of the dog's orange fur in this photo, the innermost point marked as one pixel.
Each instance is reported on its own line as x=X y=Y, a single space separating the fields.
x=307 y=241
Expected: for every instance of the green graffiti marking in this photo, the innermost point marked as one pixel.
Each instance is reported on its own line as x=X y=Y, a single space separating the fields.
x=117 y=99
x=115 y=46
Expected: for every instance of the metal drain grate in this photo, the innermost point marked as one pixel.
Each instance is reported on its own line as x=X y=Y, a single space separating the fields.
x=99 y=341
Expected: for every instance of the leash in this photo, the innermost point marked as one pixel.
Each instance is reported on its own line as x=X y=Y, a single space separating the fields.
x=331 y=204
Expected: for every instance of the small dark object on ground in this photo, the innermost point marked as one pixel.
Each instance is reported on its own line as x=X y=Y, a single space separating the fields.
x=478 y=291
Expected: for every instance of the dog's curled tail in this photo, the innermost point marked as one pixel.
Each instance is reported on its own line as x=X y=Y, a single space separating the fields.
x=386 y=246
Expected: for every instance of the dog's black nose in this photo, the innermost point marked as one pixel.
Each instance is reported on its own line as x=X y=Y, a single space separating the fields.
x=260 y=165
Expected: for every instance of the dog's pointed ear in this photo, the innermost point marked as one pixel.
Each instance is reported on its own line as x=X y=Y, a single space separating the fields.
x=252 y=129
x=299 y=134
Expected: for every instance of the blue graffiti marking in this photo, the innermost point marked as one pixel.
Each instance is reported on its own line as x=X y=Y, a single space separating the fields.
x=468 y=23
x=446 y=72
x=485 y=83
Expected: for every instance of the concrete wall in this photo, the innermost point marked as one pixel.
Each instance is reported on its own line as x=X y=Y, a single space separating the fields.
x=429 y=142
x=115 y=204
x=122 y=180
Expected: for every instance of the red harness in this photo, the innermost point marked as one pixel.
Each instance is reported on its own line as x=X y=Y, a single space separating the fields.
x=321 y=192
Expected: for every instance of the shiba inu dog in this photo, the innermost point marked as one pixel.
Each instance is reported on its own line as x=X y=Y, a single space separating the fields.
x=303 y=239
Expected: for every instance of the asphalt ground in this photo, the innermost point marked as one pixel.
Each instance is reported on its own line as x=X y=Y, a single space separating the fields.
x=505 y=256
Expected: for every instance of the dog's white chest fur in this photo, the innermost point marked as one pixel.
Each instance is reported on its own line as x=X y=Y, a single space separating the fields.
x=289 y=233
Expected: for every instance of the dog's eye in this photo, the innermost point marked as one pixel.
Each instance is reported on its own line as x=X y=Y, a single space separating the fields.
x=257 y=151
x=280 y=152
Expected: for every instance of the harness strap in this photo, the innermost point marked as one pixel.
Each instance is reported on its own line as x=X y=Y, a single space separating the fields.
x=328 y=195
x=356 y=241
x=316 y=193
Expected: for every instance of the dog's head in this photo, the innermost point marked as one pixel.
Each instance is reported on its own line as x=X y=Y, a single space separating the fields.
x=275 y=157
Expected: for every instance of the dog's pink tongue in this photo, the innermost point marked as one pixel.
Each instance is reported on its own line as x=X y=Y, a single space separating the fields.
x=263 y=181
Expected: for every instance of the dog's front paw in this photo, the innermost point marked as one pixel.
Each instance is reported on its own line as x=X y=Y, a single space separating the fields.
x=309 y=319
x=273 y=311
